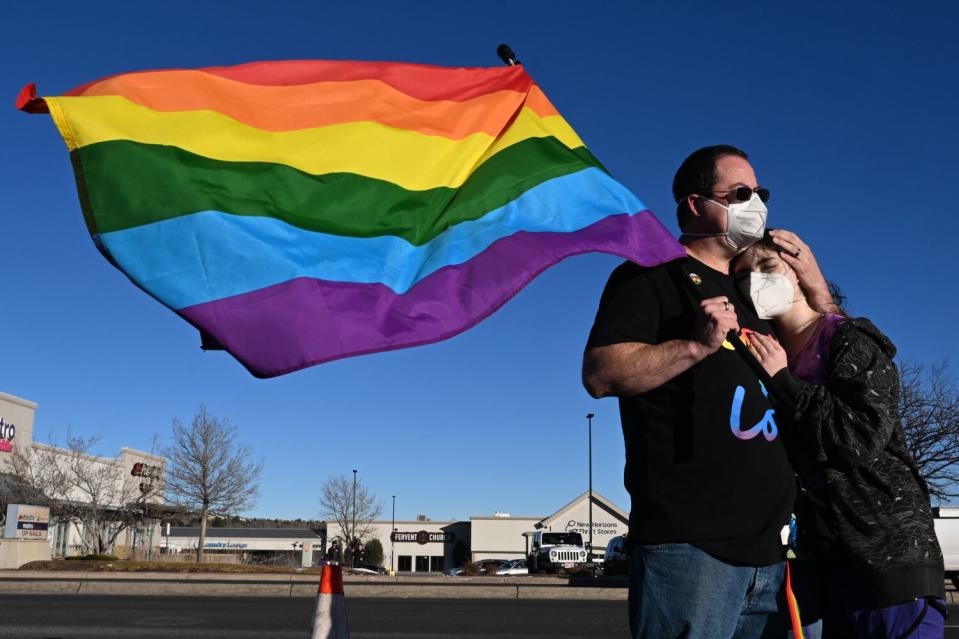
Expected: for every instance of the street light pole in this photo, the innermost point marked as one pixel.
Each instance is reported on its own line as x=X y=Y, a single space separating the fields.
x=353 y=530
x=393 y=534
x=589 y=553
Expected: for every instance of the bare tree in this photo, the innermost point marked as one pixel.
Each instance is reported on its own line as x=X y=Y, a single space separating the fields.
x=929 y=412
x=337 y=503
x=93 y=493
x=209 y=471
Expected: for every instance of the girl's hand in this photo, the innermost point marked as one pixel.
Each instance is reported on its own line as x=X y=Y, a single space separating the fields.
x=768 y=351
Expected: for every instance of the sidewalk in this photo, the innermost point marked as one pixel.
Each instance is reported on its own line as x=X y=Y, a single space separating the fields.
x=280 y=585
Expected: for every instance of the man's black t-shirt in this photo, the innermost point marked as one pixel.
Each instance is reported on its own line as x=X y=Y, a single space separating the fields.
x=705 y=463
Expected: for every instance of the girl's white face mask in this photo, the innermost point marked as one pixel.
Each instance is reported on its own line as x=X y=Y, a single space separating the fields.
x=772 y=293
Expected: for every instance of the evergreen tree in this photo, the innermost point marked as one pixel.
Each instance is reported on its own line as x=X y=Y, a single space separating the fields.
x=374 y=552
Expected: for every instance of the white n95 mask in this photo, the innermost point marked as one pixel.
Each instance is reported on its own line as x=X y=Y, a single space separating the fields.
x=745 y=223
x=772 y=293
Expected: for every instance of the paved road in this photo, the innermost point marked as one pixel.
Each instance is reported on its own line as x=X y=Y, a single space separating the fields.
x=81 y=617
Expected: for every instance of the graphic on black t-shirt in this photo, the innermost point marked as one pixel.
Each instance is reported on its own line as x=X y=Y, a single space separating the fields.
x=767 y=425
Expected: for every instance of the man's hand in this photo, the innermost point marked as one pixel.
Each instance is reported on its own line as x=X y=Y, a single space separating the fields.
x=716 y=317
x=797 y=254
x=768 y=351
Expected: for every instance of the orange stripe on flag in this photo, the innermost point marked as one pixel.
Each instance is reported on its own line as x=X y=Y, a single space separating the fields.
x=289 y=108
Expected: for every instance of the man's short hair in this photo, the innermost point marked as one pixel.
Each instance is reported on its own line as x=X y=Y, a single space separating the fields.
x=697 y=174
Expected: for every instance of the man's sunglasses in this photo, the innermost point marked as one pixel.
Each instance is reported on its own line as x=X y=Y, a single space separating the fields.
x=744 y=193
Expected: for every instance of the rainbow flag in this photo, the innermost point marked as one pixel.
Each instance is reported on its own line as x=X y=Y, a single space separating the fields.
x=301 y=211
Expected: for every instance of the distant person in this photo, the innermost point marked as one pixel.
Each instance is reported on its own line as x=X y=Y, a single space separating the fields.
x=710 y=483
x=872 y=566
x=333 y=554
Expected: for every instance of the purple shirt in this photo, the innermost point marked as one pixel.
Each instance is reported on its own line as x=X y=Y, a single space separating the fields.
x=810 y=364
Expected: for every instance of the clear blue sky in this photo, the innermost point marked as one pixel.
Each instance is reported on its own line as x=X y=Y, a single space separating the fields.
x=847 y=109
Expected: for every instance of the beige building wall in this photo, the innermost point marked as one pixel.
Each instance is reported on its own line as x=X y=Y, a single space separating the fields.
x=500 y=536
x=135 y=472
x=216 y=543
x=608 y=520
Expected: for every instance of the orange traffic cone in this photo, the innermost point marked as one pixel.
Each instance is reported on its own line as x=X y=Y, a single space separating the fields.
x=329 y=619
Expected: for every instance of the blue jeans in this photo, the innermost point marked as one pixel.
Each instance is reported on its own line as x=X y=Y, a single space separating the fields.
x=677 y=590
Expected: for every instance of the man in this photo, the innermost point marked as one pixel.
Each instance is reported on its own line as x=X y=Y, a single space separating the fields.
x=710 y=483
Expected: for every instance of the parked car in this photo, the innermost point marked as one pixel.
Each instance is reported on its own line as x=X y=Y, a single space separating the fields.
x=489 y=566
x=552 y=551
x=369 y=569
x=481 y=567
x=515 y=567
x=616 y=561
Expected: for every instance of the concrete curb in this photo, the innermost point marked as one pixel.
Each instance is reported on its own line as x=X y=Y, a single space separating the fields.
x=279 y=585
x=295 y=585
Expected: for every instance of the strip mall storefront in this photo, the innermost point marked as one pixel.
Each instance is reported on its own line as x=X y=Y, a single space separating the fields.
x=423 y=545
x=136 y=474
x=300 y=546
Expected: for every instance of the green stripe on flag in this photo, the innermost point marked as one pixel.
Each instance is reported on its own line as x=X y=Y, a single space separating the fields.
x=130 y=184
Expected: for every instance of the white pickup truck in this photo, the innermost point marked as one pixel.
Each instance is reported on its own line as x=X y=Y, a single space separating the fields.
x=947 y=530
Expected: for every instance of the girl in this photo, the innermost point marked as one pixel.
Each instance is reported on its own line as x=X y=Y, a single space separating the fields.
x=871 y=565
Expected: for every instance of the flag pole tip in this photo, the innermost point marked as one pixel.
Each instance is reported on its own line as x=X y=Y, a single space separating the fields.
x=506 y=54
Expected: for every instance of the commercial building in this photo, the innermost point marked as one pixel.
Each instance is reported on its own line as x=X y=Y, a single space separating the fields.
x=293 y=546
x=127 y=490
x=423 y=545
x=419 y=545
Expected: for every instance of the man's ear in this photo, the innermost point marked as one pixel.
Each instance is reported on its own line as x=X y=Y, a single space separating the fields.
x=692 y=203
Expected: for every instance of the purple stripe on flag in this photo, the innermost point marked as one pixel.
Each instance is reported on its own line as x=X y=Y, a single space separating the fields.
x=305 y=321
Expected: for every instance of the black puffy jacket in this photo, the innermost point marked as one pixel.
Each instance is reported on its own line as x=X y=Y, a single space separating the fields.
x=846 y=441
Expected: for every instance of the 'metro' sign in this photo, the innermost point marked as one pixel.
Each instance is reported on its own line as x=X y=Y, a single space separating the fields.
x=7 y=432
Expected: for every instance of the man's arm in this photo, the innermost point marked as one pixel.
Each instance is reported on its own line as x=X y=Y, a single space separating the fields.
x=621 y=370
x=631 y=368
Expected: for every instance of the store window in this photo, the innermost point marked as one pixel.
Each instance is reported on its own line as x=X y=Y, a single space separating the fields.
x=436 y=564
x=404 y=563
x=422 y=563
